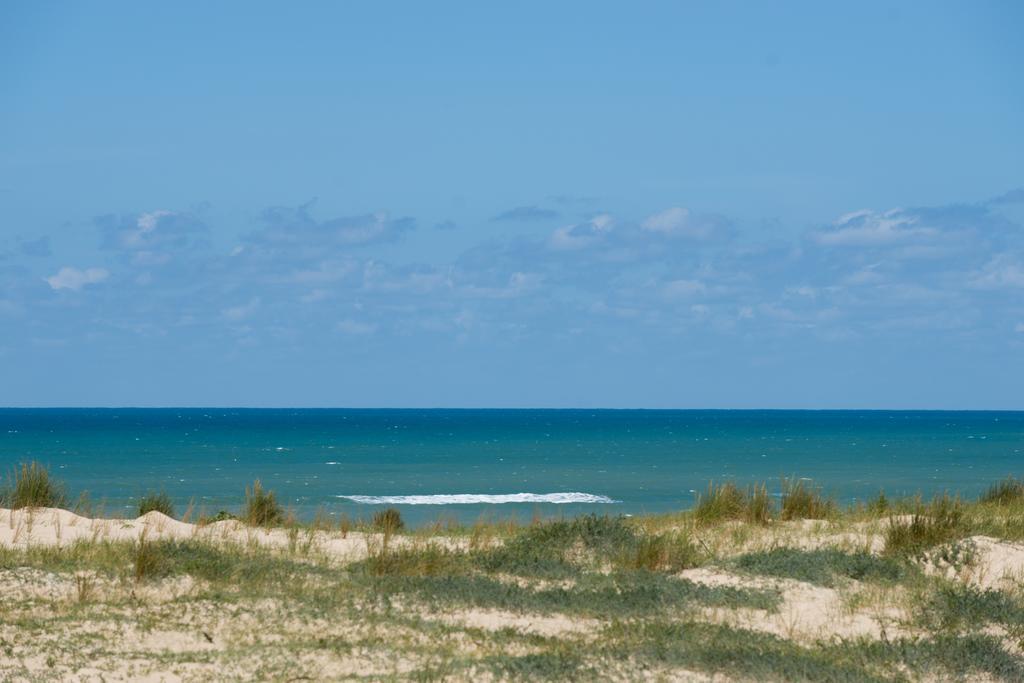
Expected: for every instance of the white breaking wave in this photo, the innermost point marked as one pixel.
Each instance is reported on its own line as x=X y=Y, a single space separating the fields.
x=469 y=498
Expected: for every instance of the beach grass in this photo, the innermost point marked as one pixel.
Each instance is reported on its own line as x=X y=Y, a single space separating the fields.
x=802 y=501
x=727 y=501
x=261 y=506
x=156 y=501
x=30 y=485
x=388 y=520
x=940 y=521
x=891 y=590
x=1005 y=492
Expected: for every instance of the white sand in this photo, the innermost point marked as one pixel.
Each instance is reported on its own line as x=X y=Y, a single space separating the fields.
x=50 y=527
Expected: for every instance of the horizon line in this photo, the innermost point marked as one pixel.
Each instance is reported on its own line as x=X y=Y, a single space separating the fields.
x=522 y=408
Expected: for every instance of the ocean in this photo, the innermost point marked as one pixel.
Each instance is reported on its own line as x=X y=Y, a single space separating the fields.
x=464 y=464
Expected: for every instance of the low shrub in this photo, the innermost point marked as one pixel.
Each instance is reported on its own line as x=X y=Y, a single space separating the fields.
x=616 y=595
x=823 y=566
x=958 y=607
x=221 y=516
x=559 y=548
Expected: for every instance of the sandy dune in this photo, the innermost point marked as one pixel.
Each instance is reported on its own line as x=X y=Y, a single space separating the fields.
x=50 y=527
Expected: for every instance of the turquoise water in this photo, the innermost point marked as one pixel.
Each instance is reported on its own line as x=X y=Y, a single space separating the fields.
x=644 y=460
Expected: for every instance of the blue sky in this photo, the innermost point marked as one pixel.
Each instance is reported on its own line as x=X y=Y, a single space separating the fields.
x=584 y=204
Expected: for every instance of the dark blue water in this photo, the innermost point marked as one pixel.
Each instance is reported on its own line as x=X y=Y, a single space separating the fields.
x=649 y=460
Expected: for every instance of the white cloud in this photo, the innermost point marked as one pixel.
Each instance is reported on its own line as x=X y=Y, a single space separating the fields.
x=682 y=289
x=680 y=222
x=867 y=228
x=74 y=279
x=355 y=327
x=1001 y=271
x=137 y=236
x=147 y=221
x=1019 y=328
x=314 y=296
x=519 y=283
x=669 y=220
x=236 y=313
x=582 y=235
x=867 y=275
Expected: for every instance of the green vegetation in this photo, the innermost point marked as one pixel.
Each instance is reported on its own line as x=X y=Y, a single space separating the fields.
x=159 y=502
x=728 y=502
x=669 y=551
x=31 y=486
x=388 y=520
x=585 y=598
x=737 y=652
x=754 y=505
x=962 y=608
x=552 y=550
x=879 y=505
x=824 y=566
x=1005 y=492
x=800 y=501
x=941 y=521
x=604 y=596
x=261 y=507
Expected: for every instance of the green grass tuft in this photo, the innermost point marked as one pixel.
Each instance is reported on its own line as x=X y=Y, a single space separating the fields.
x=800 y=501
x=879 y=505
x=159 y=502
x=759 y=505
x=670 y=552
x=261 y=507
x=721 y=502
x=729 y=502
x=32 y=486
x=388 y=520
x=1005 y=492
x=941 y=521
x=147 y=560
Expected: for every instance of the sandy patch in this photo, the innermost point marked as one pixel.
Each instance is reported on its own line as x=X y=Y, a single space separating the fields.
x=992 y=564
x=807 y=612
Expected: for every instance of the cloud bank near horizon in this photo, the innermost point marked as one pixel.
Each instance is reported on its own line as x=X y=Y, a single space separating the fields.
x=602 y=289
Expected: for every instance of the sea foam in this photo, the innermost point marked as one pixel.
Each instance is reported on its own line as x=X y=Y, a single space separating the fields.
x=470 y=498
